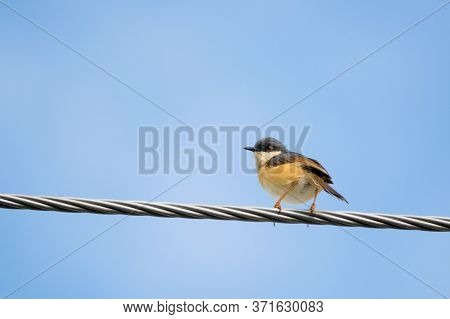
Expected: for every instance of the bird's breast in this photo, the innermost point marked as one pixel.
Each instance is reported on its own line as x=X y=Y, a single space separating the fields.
x=281 y=174
x=276 y=180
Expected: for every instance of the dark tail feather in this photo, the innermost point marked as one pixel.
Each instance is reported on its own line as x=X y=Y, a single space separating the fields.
x=332 y=191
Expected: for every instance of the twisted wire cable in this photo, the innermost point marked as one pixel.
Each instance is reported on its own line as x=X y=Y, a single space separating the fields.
x=250 y=214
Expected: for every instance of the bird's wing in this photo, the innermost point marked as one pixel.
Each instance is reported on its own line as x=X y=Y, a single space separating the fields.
x=284 y=158
x=320 y=176
x=314 y=167
x=288 y=167
x=283 y=169
x=311 y=166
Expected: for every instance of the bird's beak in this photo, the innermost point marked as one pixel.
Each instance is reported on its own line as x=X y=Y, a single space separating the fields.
x=251 y=149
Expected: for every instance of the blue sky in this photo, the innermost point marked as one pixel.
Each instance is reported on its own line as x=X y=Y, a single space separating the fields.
x=69 y=129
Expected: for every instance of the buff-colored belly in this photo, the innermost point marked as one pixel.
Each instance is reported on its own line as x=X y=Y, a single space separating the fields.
x=277 y=181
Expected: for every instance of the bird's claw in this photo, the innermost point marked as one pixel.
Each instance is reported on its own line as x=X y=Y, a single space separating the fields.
x=277 y=206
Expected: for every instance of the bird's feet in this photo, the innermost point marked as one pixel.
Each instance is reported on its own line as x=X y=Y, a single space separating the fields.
x=312 y=208
x=278 y=206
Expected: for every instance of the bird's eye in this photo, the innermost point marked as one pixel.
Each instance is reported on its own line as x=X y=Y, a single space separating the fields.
x=269 y=148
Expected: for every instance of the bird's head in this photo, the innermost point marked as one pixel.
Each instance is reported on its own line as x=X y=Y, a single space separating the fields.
x=266 y=148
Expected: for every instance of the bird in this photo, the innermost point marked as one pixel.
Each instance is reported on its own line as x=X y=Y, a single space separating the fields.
x=289 y=176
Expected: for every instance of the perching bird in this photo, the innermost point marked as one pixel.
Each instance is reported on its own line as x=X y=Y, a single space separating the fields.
x=290 y=176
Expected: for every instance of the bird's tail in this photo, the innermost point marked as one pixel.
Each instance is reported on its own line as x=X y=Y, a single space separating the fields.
x=330 y=190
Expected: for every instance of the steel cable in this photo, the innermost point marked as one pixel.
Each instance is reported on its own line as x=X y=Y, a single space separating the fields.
x=239 y=213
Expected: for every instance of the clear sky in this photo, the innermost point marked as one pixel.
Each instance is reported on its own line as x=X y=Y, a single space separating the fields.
x=69 y=129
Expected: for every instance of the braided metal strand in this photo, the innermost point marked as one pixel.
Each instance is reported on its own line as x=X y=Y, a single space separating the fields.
x=251 y=214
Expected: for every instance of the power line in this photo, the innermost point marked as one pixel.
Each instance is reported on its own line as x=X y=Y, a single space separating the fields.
x=238 y=213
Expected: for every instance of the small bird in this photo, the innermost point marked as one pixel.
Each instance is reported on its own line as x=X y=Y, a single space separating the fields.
x=290 y=176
